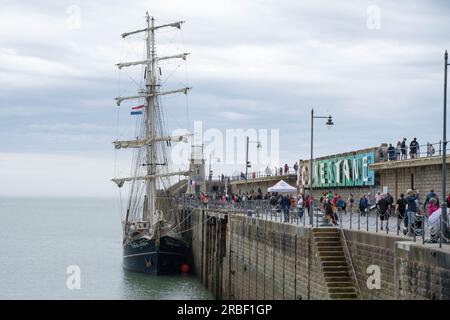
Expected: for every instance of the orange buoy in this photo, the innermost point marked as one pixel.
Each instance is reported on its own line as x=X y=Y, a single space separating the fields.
x=184 y=268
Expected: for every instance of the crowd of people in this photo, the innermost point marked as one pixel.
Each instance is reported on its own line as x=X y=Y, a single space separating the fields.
x=407 y=209
x=400 y=150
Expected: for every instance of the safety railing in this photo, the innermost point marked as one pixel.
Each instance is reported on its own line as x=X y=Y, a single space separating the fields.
x=263 y=174
x=424 y=150
x=415 y=226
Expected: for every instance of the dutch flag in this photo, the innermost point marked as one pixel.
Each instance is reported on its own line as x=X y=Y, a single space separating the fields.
x=137 y=110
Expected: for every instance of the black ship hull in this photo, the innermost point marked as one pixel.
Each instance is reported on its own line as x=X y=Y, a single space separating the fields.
x=150 y=256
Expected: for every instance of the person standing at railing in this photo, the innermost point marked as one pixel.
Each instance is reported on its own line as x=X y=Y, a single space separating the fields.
x=430 y=150
x=404 y=147
x=398 y=150
x=295 y=167
x=268 y=172
x=286 y=168
x=392 y=155
x=414 y=148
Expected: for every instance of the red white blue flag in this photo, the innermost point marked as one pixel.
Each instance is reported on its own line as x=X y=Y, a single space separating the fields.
x=137 y=110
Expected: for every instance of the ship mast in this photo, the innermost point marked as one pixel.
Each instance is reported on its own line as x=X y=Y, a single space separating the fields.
x=150 y=121
x=150 y=94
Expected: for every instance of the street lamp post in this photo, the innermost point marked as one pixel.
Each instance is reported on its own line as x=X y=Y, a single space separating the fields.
x=311 y=204
x=247 y=163
x=210 y=172
x=444 y=226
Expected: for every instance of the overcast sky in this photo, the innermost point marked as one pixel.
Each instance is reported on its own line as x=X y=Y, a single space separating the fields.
x=375 y=66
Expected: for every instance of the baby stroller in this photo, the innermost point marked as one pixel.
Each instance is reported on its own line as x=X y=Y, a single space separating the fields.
x=433 y=226
x=418 y=225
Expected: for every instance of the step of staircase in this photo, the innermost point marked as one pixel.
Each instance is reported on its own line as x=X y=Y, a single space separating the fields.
x=341 y=284
x=330 y=238
x=334 y=263
x=328 y=244
x=336 y=279
x=333 y=252
x=345 y=296
x=337 y=258
x=342 y=289
x=335 y=269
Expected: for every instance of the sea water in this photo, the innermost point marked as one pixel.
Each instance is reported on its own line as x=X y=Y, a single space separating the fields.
x=45 y=243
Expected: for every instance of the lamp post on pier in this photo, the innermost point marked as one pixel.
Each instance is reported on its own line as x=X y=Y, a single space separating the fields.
x=311 y=204
x=210 y=171
x=247 y=163
x=444 y=225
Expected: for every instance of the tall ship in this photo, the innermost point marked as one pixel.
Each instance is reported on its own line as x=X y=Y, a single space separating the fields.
x=152 y=242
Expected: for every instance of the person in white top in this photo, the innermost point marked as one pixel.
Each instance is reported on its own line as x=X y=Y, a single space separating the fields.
x=300 y=208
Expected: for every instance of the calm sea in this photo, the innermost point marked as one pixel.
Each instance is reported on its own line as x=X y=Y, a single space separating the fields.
x=41 y=238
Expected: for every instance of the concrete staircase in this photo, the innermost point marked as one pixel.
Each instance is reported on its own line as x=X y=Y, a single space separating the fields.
x=334 y=264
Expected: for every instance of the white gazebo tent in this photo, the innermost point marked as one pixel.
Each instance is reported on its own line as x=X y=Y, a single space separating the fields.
x=282 y=186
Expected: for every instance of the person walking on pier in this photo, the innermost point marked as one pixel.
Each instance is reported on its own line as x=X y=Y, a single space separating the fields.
x=300 y=207
x=429 y=196
x=400 y=209
x=383 y=207
x=307 y=200
x=284 y=203
x=363 y=204
x=328 y=212
x=411 y=209
x=351 y=200
x=377 y=197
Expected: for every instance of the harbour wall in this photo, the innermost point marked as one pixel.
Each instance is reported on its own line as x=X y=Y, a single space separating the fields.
x=239 y=257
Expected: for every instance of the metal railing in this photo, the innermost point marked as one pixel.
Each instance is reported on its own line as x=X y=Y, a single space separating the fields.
x=370 y=221
x=263 y=174
x=421 y=152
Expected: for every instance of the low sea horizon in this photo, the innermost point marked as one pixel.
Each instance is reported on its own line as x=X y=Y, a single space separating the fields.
x=45 y=238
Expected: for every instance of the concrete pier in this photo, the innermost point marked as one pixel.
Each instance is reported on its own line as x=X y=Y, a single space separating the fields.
x=240 y=257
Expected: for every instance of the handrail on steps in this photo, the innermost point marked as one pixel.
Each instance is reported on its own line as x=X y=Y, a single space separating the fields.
x=351 y=264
